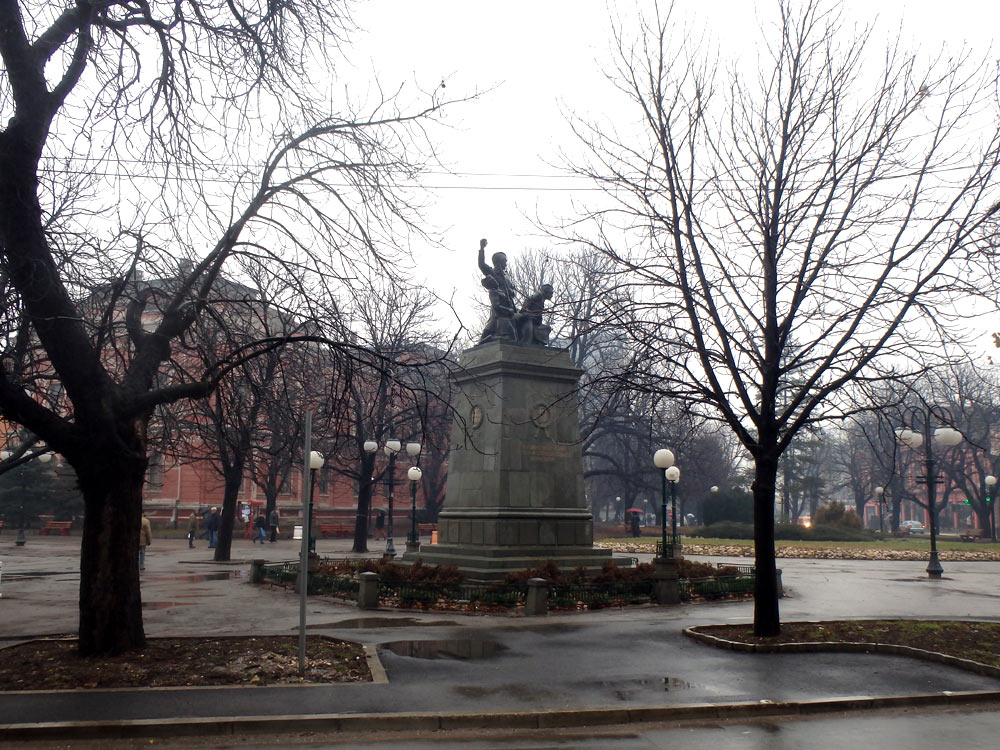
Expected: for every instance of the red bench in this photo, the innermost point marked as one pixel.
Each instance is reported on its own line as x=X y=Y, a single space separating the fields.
x=61 y=526
x=335 y=529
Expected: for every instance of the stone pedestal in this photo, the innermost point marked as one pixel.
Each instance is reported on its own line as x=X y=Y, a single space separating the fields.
x=515 y=494
x=666 y=582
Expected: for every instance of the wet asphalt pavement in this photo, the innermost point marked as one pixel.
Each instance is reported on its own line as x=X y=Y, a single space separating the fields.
x=611 y=659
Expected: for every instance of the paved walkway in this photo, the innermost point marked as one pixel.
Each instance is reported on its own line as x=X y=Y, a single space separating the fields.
x=613 y=666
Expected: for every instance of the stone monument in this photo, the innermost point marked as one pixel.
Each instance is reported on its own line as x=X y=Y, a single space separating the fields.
x=515 y=496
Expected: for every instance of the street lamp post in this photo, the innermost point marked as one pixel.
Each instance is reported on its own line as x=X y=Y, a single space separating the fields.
x=663 y=459
x=315 y=464
x=880 y=499
x=391 y=449
x=990 y=481
x=920 y=420
x=413 y=539
x=413 y=543
x=673 y=474
x=20 y=540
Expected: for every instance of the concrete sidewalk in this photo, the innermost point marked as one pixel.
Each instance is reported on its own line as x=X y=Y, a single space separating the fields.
x=603 y=667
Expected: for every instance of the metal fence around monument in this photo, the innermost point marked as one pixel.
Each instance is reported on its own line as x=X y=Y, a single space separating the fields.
x=720 y=587
x=472 y=595
x=501 y=596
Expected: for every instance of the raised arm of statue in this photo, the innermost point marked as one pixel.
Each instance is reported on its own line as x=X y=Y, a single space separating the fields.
x=487 y=271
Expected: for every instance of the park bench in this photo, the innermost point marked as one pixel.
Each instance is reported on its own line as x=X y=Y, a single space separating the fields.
x=335 y=529
x=971 y=535
x=61 y=526
x=902 y=531
x=426 y=528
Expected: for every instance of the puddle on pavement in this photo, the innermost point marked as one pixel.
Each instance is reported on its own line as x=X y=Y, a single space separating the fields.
x=626 y=690
x=164 y=605
x=465 y=649
x=197 y=578
x=25 y=575
x=548 y=627
x=384 y=622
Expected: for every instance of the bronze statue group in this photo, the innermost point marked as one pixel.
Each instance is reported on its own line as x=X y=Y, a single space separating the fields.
x=524 y=326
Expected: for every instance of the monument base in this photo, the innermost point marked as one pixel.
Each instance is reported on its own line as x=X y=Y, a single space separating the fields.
x=482 y=563
x=515 y=496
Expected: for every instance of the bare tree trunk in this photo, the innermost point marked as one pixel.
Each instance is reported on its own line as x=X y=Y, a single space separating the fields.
x=110 y=603
x=364 y=503
x=767 y=621
x=233 y=482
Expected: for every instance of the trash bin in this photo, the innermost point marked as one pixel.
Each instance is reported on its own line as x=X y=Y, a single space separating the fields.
x=297 y=533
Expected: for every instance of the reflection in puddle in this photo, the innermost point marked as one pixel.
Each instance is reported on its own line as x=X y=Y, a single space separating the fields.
x=467 y=648
x=383 y=622
x=626 y=690
x=164 y=605
x=199 y=578
x=28 y=574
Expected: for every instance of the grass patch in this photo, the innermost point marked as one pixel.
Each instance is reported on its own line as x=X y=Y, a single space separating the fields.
x=896 y=543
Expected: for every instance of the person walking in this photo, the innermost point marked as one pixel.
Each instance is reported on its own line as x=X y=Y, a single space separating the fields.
x=260 y=528
x=145 y=539
x=380 y=525
x=212 y=527
x=192 y=528
x=272 y=522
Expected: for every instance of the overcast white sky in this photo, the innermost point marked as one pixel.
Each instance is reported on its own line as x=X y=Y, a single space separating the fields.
x=544 y=57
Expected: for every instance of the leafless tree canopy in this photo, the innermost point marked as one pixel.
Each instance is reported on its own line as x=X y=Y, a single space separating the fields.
x=203 y=142
x=784 y=228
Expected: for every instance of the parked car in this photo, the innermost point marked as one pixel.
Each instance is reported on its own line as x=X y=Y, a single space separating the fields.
x=915 y=527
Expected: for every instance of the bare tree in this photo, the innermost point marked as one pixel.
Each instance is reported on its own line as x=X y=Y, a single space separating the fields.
x=820 y=200
x=971 y=396
x=165 y=107
x=255 y=411
x=396 y=392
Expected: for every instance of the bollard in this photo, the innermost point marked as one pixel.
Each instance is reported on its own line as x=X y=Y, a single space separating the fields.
x=538 y=598
x=257 y=571
x=368 y=591
x=666 y=582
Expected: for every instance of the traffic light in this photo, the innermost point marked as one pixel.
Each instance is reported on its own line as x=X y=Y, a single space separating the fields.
x=969 y=502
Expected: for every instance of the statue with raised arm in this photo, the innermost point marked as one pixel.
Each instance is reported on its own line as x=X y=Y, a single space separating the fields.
x=500 y=324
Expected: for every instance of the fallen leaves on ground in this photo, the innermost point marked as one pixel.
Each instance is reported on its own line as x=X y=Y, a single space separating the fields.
x=172 y=662
x=814 y=553
x=975 y=641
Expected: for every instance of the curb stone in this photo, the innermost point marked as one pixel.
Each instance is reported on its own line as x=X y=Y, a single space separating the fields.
x=852 y=647
x=239 y=725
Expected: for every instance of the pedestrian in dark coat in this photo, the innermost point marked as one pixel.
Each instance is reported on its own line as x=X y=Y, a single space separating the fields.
x=272 y=523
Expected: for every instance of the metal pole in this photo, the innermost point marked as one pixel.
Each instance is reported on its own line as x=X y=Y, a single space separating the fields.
x=663 y=513
x=934 y=569
x=414 y=536
x=304 y=554
x=20 y=541
x=673 y=513
x=390 y=550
